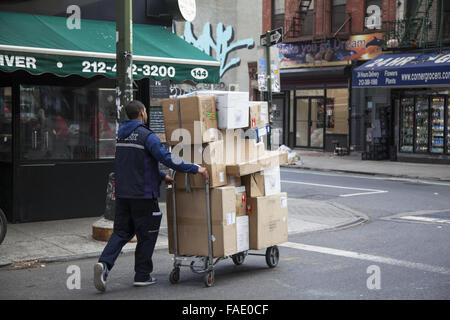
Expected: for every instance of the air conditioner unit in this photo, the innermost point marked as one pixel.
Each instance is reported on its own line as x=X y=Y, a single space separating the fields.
x=233 y=87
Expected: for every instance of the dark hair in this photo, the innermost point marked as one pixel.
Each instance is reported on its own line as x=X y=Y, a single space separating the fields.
x=133 y=108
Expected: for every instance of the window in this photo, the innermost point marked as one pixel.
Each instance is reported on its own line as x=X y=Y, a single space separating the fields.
x=411 y=6
x=373 y=14
x=308 y=23
x=277 y=14
x=337 y=111
x=65 y=123
x=337 y=14
x=5 y=124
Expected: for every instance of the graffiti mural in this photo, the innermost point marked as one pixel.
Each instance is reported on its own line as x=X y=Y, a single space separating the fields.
x=222 y=45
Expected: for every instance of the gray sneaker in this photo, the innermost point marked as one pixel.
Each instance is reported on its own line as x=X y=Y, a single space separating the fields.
x=100 y=276
x=145 y=283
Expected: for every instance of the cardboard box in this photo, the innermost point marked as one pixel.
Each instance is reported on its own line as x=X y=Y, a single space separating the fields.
x=209 y=156
x=242 y=233
x=270 y=159
x=254 y=184
x=197 y=118
x=232 y=108
x=241 y=201
x=263 y=183
x=192 y=222
x=258 y=114
x=268 y=221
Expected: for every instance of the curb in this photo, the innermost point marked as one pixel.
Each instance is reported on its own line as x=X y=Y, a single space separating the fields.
x=381 y=175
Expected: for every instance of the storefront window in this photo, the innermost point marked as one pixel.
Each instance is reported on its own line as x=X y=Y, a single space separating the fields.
x=66 y=123
x=422 y=124
x=407 y=125
x=5 y=124
x=337 y=111
x=437 y=124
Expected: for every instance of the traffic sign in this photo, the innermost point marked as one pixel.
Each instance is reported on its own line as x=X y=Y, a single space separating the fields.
x=276 y=36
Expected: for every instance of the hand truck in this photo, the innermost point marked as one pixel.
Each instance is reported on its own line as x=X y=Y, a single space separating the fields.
x=205 y=264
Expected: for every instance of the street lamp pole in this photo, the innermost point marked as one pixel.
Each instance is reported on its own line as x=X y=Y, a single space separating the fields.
x=124 y=55
x=269 y=89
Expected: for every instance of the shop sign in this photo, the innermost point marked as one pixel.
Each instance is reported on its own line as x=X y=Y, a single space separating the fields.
x=88 y=67
x=331 y=52
x=404 y=70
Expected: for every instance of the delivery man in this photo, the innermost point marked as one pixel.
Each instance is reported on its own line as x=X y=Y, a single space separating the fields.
x=137 y=182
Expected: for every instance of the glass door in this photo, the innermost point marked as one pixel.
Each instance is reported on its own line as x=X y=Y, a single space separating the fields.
x=422 y=124
x=310 y=122
x=407 y=124
x=301 y=122
x=437 y=124
x=317 y=120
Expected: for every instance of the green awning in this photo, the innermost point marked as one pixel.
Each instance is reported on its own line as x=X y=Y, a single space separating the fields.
x=40 y=44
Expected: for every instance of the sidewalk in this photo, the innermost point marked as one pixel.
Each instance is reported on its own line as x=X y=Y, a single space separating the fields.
x=66 y=240
x=326 y=161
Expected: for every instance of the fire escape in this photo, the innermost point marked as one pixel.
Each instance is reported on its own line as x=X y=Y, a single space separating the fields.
x=294 y=21
x=413 y=31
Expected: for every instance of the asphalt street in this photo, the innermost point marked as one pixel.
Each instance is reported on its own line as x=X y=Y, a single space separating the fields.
x=391 y=256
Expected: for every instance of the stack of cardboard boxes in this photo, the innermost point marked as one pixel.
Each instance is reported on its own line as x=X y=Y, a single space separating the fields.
x=248 y=210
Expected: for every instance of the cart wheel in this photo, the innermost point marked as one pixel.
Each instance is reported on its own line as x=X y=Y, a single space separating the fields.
x=238 y=258
x=174 y=276
x=209 y=279
x=272 y=256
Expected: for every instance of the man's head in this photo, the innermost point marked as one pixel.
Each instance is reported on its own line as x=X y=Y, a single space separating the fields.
x=135 y=110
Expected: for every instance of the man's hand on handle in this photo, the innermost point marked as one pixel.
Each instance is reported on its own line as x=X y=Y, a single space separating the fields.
x=168 y=179
x=203 y=172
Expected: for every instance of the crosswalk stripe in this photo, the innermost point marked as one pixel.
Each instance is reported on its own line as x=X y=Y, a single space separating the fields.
x=367 y=257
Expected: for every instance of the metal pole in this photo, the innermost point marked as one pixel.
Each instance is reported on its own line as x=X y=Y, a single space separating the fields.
x=124 y=54
x=269 y=88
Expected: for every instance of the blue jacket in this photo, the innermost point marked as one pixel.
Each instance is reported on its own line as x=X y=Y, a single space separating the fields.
x=138 y=152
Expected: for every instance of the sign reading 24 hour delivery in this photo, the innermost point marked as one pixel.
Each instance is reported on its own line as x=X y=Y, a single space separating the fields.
x=404 y=70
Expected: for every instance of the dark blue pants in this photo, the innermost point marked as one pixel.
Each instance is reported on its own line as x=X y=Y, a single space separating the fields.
x=134 y=216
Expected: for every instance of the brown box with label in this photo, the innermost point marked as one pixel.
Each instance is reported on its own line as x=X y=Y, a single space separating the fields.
x=197 y=117
x=258 y=114
x=209 y=156
x=268 y=221
x=241 y=201
x=192 y=222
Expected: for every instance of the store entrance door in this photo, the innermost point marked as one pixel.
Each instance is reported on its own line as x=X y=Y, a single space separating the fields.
x=310 y=122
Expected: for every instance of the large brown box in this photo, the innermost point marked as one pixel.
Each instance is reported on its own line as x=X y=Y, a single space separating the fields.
x=197 y=116
x=192 y=221
x=268 y=221
x=209 y=156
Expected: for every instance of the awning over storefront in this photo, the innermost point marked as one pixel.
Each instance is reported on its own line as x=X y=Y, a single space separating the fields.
x=404 y=70
x=40 y=44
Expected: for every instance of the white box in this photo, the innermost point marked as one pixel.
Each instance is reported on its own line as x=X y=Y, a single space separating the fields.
x=232 y=108
x=272 y=183
x=242 y=231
